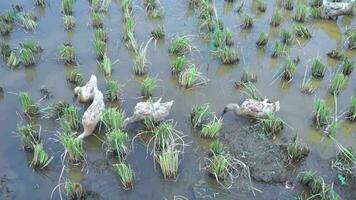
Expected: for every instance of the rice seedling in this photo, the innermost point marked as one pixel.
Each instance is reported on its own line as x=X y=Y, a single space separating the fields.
x=116 y=143
x=301 y=13
x=336 y=54
x=248 y=77
x=5 y=28
x=276 y=19
x=307 y=177
x=100 y=48
x=40 y=158
x=289 y=68
x=67 y=7
x=75 y=77
x=31 y=45
x=316 y=3
x=97 y=20
x=67 y=53
x=5 y=49
x=207 y=22
x=351 y=38
x=164 y=135
x=127 y=5
x=216 y=147
x=227 y=55
x=331 y=129
x=100 y=5
x=288 y=4
x=158 y=33
x=338 y=83
x=352 y=110
x=74 y=190
x=126 y=175
x=27 y=21
x=308 y=87
x=9 y=16
x=12 y=60
x=40 y=3
x=156 y=13
x=100 y=34
x=180 y=45
x=251 y=91
x=147 y=86
x=150 y=4
x=28 y=106
x=169 y=162
x=179 y=64
x=222 y=38
x=277 y=49
x=191 y=77
x=29 y=135
x=302 y=31
x=348 y=66
x=286 y=37
x=296 y=150
x=261 y=5
x=346 y=156
x=316 y=12
x=105 y=65
x=73 y=148
x=71 y=114
x=54 y=110
x=140 y=61
x=27 y=56
x=200 y=115
x=112 y=119
x=318 y=68
x=272 y=125
x=113 y=90
x=211 y=129
x=68 y=22
x=65 y=127
x=322 y=113
x=262 y=39
x=130 y=41
x=247 y=21
x=218 y=166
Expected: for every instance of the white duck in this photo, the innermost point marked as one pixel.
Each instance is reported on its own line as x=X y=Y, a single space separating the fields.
x=154 y=110
x=253 y=108
x=86 y=92
x=335 y=9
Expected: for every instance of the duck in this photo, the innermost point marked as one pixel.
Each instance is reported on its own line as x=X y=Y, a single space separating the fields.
x=253 y=108
x=86 y=92
x=335 y=9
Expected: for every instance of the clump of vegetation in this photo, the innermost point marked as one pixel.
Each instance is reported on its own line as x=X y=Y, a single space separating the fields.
x=348 y=66
x=140 y=61
x=116 y=143
x=27 y=56
x=97 y=20
x=211 y=129
x=222 y=38
x=169 y=162
x=72 y=116
x=74 y=190
x=262 y=39
x=158 y=33
x=227 y=55
x=307 y=177
x=261 y=5
x=247 y=21
x=251 y=91
x=126 y=175
x=286 y=37
x=40 y=158
x=200 y=115
x=179 y=64
x=289 y=68
x=302 y=31
x=301 y=13
x=216 y=147
x=27 y=21
x=28 y=106
x=105 y=65
x=180 y=46
x=338 y=83
x=272 y=125
x=248 y=77
x=73 y=148
x=67 y=53
x=296 y=150
x=316 y=12
x=5 y=28
x=219 y=166
x=322 y=113
x=40 y=3
x=352 y=111
x=307 y=87
x=191 y=77
x=277 y=49
x=317 y=185
x=318 y=68
x=69 y=22
x=75 y=77
x=164 y=135
x=351 y=37
x=100 y=34
x=113 y=90
x=147 y=86
x=67 y=6
x=316 y=3
x=12 y=60
x=100 y=48
x=288 y=4
x=345 y=163
x=112 y=119
x=336 y=54
x=29 y=135
x=276 y=19
x=100 y=5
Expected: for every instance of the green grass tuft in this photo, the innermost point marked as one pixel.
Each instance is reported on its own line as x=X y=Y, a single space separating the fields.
x=75 y=77
x=40 y=158
x=302 y=31
x=277 y=49
x=318 y=68
x=348 y=66
x=180 y=45
x=67 y=6
x=211 y=129
x=100 y=48
x=68 y=22
x=67 y=53
x=116 y=142
x=169 y=161
x=29 y=135
x=147 y=86
x=216 y=147
x=158 y=33
x=28 y=106
x=276 y=19
x=113 y=90
x=301 y=13
x=322 y=113
x=106 y=65
x=179 y=64
x=286 y=37
x=296 y=150
x=262 y=39
x=289 y=68
x=338 y=83
x=351 y=38
x=74 y=190
x=73 y=148
x=247 y=21
x=227 y=55
x=112 y=119
x=352 y=110
x=272 y=125
x=200 y=115
x=126 y=175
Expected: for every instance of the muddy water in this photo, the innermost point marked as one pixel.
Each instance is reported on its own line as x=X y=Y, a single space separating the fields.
x=98 y=177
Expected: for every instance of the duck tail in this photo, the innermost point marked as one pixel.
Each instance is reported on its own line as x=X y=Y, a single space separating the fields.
x=277 y=106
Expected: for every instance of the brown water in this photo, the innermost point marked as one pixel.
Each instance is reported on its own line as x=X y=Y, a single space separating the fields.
x=98 y=177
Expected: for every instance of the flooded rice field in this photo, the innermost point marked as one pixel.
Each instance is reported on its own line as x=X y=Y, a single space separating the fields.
x=258 y=160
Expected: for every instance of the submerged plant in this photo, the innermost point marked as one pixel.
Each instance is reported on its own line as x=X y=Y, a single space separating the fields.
x=322 y=113
x=302 y=31
x=69 y=22
x=262 y=39
x=200 y=115
x=352 y=110
x=106 y=65
x=75 y=77
x=116 y=143
x=72 y=116
x=338 y=82
x=277 y=49
x=113 y=90
x=348 y=66
x=179 y=64
x=227 y=55
x=272 y=125
x=28 y=106
x=169 y=161
x=140 y=61
x=301 y=13
x=276 y=19
x=158 y=33
x=180 y=45
x=147 y=86
x=112 y=119
x=73 y=148
x=29 y=135
x=40 y=158
x=126 y=175
x=296 y=150
x=211 y=129
x=74 y=190
x=289 y=68
x=318 y=68
x=67 y=53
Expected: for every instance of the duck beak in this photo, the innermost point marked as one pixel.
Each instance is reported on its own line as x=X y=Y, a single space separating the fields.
x=225 y=111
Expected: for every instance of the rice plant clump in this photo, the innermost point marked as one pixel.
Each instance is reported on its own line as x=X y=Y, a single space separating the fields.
x=336 y=54
x=211 y=129
x=352 y=110
x=116 y=143
x=112 y=119
x=247 y=21
x=276 y=19
x=100 y=5
x=169 y=162
x=351 y=38
x=296 y=150
x=179 y=64
x=316 y=12
x=288 y=4
x=164 y=135
x=72 y=116
x=261 y=5
x=67 y=6
x=301 y=13
x=67 y=53
x=147 y=86
x=73 y=148
x=338 y=83
x=222 y=38
x=5 y=49
x=12 y=60
x=100 y=48
x=348 y=66
x=158 y=33
x=289 y=68
x=105 y=65
x=68 y=22
x=113 y=90
x=218 y=167
x=100 y=34
x=29 y=135
x=322 y=113
x=308 y=87
x=272 y=125
x=200 y=115
x=180 y=45
x=302 y=31
x=227 y=55
x=74 y=190
x=318 y=68
x=27 y=56
x=262 y=39
x=191 y=77
x=277 y=49
x=75 y=77
x=140 y=61
x=307 y=177
x=316 y=3
x=216 y=147
x=5 y=28
x=248 y=77
x=40 y=157
x=286 y=37
x=27 y=21
x=28 y=106
x=126 y=175
x=97 y=20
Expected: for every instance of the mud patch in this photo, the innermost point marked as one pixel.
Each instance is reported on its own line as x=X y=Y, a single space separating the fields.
x=267 y=161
